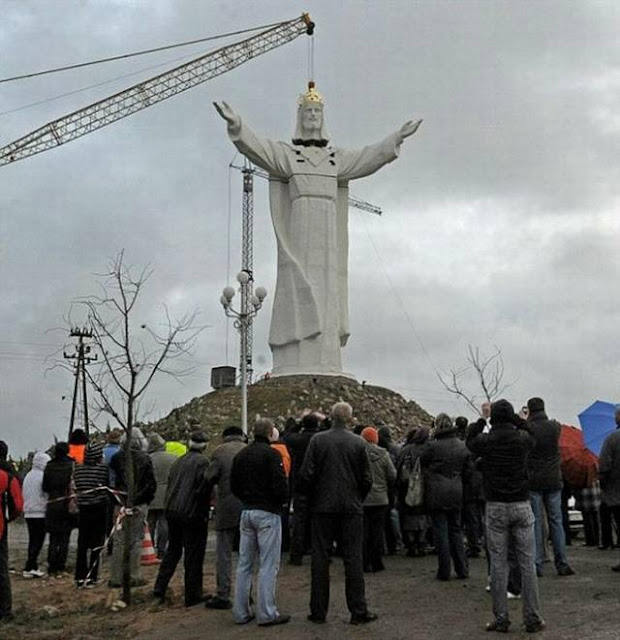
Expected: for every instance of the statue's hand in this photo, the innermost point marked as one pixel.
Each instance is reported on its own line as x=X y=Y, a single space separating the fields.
x=224 y=109
x=409 y=128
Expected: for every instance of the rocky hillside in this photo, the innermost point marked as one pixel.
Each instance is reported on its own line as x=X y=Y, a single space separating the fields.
x=279 y=398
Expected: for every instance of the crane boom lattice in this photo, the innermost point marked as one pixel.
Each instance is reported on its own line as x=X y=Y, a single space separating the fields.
x=152 y=91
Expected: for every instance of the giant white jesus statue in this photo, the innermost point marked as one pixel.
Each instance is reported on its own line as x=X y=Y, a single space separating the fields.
x=308 y=193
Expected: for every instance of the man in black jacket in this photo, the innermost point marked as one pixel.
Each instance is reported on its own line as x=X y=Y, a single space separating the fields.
x=509 y=516
x=187 y=513
x=545 y=484
x=297 y=444
x=336 y=476
x=257 y=478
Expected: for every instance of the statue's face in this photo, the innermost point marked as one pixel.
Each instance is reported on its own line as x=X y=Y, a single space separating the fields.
x=311 y=118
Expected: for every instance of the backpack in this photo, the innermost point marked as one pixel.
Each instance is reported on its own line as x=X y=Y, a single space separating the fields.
x=415 y=487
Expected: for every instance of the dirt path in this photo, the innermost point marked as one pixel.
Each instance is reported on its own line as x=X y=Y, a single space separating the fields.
x=410 y=602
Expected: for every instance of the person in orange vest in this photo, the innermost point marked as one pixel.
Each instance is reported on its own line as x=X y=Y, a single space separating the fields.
x=282 y=449
x=77 y=445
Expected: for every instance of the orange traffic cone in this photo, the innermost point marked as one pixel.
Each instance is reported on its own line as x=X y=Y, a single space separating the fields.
x=147 y=553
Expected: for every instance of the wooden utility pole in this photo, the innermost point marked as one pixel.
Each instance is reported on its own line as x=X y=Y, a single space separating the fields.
x=81 y=355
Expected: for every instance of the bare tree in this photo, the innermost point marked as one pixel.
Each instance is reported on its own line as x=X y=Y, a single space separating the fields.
x=487 y=373
x=131 y=354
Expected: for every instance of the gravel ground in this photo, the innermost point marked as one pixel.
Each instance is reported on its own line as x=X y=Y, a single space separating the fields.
x=409 y=601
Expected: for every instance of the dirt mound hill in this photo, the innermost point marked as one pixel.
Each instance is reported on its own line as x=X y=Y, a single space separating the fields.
x=282 y=397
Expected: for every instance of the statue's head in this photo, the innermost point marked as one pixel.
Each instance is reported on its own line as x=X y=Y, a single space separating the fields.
x=310 y=128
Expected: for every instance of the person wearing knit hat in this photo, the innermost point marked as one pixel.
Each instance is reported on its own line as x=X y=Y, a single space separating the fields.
x=198 y=441
x=445 y=461
x=91 y=480
x=443 y=424
x=370 y=435
x=509 y=518
x=377 y=501
x=187 y=513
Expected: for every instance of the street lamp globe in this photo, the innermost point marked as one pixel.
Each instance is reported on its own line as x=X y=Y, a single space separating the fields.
x=243 y=277
x=228 y=293
x=261 y=293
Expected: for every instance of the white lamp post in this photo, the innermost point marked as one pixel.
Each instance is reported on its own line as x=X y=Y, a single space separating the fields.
x=243 y=320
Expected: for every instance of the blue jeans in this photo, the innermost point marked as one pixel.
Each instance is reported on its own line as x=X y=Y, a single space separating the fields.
x=514 y=522
x=261 y=539
x=552 y=502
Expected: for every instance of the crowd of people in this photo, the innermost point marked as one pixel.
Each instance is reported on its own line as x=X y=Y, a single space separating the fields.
x=325 y=486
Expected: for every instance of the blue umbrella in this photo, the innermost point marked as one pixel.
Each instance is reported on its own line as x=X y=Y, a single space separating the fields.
x=597 y=422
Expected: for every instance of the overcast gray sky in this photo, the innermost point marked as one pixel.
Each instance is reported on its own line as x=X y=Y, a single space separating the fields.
x=500 y=222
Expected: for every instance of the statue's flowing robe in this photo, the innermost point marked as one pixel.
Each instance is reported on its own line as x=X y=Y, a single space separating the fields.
x=308 y=193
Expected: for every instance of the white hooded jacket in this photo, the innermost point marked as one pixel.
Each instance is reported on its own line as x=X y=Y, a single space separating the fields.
x=35 y=500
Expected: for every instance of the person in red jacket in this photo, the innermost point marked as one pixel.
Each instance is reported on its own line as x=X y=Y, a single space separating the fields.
x=12 y=505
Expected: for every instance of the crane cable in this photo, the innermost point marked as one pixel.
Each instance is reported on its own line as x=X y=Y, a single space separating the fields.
x=229 y=248
x=94 y=86
x=310 y=58
x=135 y=53
x=398 y=297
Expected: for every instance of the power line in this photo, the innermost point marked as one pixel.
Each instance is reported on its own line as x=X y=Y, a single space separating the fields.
x=34 y=344
x=93 y=86
x=134 y=54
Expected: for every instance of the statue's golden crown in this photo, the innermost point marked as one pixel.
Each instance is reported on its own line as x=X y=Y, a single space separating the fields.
x=312 y=96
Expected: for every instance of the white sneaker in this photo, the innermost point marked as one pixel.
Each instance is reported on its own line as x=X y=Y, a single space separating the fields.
x=27 y=574
x=37 y=573
x=513 y=596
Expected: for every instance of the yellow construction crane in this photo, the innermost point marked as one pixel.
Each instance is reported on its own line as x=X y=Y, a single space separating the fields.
x=154 y=90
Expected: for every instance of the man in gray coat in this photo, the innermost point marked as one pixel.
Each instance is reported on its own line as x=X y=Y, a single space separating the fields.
x=227 y=513
x=162 y=461
x=336 y=476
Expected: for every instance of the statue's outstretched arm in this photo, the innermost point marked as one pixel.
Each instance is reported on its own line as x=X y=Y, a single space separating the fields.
x=268 y=155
